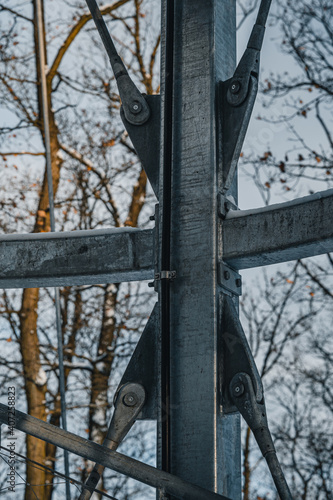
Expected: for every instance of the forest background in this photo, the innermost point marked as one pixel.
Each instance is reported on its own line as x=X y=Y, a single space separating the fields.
x=98 y=182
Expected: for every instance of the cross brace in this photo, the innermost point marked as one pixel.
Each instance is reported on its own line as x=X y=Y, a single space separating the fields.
x=251 y=238
x=76 y=258
x=116 y=461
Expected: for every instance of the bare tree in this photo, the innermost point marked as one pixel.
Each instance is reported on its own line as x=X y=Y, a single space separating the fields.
x=97 y=181
x=287 y=316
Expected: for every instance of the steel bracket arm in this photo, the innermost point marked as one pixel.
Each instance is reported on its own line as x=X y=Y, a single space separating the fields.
x=128 y=402
x=135 y=106
x=137 y=109
x=254 y=413
x=236 y=355
x=243 y=390
x=236 y=98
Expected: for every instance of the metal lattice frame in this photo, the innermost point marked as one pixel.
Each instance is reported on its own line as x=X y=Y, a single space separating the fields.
x=200 y=242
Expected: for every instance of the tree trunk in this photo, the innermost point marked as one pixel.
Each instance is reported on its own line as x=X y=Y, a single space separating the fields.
x=98 y=424
x=247 y=469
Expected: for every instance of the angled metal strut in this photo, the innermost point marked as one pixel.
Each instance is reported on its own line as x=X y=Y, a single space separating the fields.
x=237 y=97
x=139 y=471
x=129 y=401
x=243 y=390
x=134 y=104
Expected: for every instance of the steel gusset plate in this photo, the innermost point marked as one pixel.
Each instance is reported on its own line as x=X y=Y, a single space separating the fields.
x=235 y=355
x=142 y=367
x=233 y=121
x=146 y=140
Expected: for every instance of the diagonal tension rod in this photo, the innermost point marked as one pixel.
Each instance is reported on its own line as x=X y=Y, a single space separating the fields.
x=139 y=471
x=128 y=403
x=254 y=413
x=135 y=107
x=243 y=391
x=237 y=97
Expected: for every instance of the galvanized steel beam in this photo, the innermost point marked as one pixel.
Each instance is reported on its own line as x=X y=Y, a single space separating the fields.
x=76 y=258
x=204 y=444
x=279 y=233
x=251 y=238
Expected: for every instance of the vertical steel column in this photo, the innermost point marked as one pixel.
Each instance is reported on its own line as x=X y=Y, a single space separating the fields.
x=199 y=444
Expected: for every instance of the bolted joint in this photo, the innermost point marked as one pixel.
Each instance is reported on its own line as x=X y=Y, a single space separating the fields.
x=229 y=279
x=238 y=389
x=235 y=86
x=130 y=399
x=136 y=107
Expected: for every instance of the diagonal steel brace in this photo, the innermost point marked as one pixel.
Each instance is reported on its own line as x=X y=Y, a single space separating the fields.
x=236 y=98
x=129 y=401
x=139 y=471
x=243 y=390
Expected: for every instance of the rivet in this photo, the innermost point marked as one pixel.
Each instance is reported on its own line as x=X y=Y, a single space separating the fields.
x=136 y=107
x=130 y=399
x=235 y=87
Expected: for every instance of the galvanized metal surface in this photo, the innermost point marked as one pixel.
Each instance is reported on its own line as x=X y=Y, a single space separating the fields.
x=229 y=279
x=76 y=258
x=203 y=442
x=134 y=104
x=279 y=233
x=111 y=459
x=204 y=52
x=146 y=140
x=236 y=355
x=254 y=413
x=143 y=366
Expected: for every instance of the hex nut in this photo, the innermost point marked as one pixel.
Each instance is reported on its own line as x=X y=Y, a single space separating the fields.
x=130 y=399
x=238 y=389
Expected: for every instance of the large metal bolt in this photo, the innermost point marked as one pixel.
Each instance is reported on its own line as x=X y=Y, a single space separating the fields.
x=130 y=399
x=136 y=107
x=238 y=389
x=238 y=282
x=226 y=275
x=235 y=87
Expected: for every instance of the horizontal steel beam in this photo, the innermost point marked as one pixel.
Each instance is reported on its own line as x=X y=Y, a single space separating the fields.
x=139 y=471
x=279 y=233
x=76 y=258
x=251 y=238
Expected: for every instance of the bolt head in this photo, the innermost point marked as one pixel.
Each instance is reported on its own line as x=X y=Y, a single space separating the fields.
x=136 y=107
x=238 y=389
x=238 y=282
x=130 y=399
x=235 y=87
x=226 y=275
